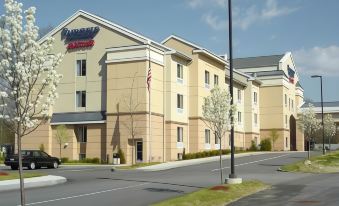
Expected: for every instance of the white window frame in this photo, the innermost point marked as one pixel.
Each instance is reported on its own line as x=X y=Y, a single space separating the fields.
x=216 y=80
x=180 y=103
x=80 y=71
x=239 y=118
x=180 y=73
x=79 y=99
x=255 y=98
x=239 y=96
x=207 y=79
x=255 y=119
x=82 y=134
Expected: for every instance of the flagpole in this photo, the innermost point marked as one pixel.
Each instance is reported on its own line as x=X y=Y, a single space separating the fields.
x=149 y=108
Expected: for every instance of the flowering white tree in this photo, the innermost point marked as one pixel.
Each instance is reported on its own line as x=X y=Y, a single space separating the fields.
x=218 y=113
x=309 y=124
x=330 y=128
x=28 y=76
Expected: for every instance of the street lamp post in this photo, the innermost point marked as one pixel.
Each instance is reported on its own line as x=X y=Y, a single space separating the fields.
x=232 y=177
x=322 y=108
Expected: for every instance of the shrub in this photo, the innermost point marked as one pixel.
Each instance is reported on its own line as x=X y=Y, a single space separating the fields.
x=253 y=146
x=122 y=156
x=42 y=147
x=210 y=153
x=64 y=159
x=265 y=145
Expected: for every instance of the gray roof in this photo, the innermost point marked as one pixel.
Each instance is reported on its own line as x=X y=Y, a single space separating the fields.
x=318 y=104
x=78 y=117
x=260 y=61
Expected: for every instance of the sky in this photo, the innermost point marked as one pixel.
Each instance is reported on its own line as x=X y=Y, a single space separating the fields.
x=307 y=28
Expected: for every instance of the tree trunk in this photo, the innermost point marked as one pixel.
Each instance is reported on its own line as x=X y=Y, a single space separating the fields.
x=133 y=150
x=220 y=161
x=22 y=188
x=60 y=151
x=309 y=150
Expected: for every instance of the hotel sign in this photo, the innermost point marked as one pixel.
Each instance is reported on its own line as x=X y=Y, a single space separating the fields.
x=79 y=38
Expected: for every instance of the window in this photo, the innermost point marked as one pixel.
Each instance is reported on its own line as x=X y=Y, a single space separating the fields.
x=180 y=101
x=81 y=67
x=82 y=134
x=292 y=104
x=216 y=80
x=180 y=134
x=285 y=120
x=180 y=74
x=207 y=79
x=216 y=139
x=82 y=156
x=81 y=98
x=255 y=119
x=239 y=96
x=255 y=97
x=289 y=103
x=239 y=117
x=207 y=136
x=285 y=100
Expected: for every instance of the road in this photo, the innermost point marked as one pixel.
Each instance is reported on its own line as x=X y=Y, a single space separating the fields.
x=100 y=187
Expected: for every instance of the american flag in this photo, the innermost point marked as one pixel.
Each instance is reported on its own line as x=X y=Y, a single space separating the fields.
x=149 y=78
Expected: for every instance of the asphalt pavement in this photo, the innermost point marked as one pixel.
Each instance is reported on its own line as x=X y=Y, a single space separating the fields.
x=88 y=186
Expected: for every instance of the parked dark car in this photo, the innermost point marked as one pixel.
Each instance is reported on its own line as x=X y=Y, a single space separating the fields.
x=32 y=159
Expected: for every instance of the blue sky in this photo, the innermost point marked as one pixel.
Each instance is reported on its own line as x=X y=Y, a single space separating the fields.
x=307 y=28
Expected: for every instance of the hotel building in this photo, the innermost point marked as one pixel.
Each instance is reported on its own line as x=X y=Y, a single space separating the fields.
x=104 y=92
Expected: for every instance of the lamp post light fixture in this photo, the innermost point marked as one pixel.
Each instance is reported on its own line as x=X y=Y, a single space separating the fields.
x=322 y=108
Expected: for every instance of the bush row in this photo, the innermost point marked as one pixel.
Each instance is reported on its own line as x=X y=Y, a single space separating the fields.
x=210 y=153
x=94 y=160
x=265 y=145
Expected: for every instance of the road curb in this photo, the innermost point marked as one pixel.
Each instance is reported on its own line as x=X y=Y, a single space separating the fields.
x=184 y=163
x=48 y=180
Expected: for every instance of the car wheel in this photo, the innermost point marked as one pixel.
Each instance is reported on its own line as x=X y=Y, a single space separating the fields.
x=55 y=165
x=14 y=167
x=32 y=166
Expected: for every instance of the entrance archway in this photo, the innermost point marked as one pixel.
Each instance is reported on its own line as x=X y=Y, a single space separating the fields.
x=293 y=133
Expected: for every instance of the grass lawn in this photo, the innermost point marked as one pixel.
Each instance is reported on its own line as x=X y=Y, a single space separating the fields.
x=137 y=165
x=321 y=164
x=15 y=175
x=215 y=196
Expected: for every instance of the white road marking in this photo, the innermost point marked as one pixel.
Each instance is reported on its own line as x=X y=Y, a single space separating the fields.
x=252 y=162
x=84 y=195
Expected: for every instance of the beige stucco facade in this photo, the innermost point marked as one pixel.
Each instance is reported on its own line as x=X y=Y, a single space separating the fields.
x=100 y=106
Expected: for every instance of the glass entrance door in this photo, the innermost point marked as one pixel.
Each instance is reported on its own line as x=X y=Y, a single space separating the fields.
x=139 y=151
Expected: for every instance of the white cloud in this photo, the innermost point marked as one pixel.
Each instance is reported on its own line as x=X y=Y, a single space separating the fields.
x=215 y=22
x=318 y=60
x=272 y=10
x=242 y=18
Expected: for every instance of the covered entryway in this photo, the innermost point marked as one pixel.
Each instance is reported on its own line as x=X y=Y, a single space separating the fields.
x=293 y=134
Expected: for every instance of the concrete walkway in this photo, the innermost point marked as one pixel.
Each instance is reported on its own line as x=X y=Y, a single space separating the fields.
x=49 y=180
x=183 y=163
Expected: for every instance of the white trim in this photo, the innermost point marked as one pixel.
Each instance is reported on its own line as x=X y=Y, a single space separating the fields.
x=125 y=48
x=83 y=122
x=210 y=54
x=134 y=59
x=197 y=48
x=182 y=40
x=106 y=23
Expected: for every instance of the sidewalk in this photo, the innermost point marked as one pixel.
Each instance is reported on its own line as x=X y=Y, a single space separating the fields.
x=183 y=163
x=33 y=182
